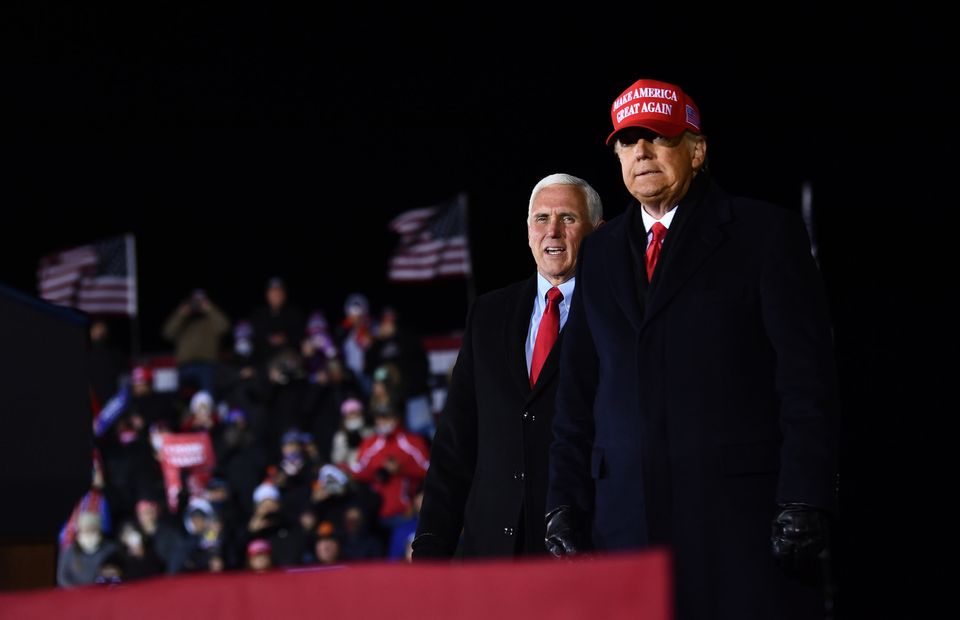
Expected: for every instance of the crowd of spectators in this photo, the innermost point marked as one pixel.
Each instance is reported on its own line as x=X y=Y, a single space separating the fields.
x=320 y=437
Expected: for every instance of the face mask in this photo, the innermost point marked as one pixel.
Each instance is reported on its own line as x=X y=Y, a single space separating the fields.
x=244 y=348
x=353 y=424
x=292 y=464
x=385 y=428
x=88 y=541
x=127 y=437
x=133 y=539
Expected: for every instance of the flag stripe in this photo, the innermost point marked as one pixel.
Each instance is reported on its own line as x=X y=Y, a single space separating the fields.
x=95 y=278
x=433 y=243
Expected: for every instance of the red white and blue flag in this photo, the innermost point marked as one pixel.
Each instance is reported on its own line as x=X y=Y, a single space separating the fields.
x=100 y=278
x=433 y=243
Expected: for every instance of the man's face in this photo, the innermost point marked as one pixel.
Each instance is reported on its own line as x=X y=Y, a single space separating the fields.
x=276 y=296
x=260 y=561
x=559 y=221
x=657 y=170
x=147 y=513
x=327 y=550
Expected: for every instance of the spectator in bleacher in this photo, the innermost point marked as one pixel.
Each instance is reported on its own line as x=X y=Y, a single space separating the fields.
x=243 y=359
x=106 y=362
x=318 y=346
x=79 y=564
x=285 y=401
x=332 y=493
x=130 y=469
x=277 y=326
x=356 y=542
x=295 y=473
x=308 y=526
x=353 y=430
x=327 y=547
x=138 y=559
x=403 y=350
x=322 y=403
x=151 y=406
x=272 y=522
x=195 y=328
x=202 y=416
x=266 y=509
x=393 y=462
x=94 y=500
x=404 y=531
x=160 y=534
x=241 y=460
x=204 y=535
x=385 y=390
x=259 y=555
x=356 y=337
x=225 y=505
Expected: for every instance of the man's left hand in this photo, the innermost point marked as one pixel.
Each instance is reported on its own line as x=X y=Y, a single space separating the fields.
x=799 y=535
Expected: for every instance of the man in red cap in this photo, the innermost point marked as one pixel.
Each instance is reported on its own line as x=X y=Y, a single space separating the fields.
x=697 y=405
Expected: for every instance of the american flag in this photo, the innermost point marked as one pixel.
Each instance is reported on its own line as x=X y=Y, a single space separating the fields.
x=433 y=243
x=100 y=278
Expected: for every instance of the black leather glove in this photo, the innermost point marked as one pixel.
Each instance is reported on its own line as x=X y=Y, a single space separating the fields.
x=429 y=546
x=800 y=533
x=564 y=535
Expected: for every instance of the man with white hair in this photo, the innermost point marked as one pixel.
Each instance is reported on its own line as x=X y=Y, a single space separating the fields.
x=79 y=564
x=488 y=466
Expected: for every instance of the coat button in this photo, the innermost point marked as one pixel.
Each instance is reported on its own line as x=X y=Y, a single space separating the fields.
x=518 y=475
x=508 y=531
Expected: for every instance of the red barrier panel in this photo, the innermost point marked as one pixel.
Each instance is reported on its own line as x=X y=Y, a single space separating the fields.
x=626 y=586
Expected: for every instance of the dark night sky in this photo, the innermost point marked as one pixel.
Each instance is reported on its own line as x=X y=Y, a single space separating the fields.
x=238 y=146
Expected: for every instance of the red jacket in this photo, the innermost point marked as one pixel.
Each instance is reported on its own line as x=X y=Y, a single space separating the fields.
x=411 y=454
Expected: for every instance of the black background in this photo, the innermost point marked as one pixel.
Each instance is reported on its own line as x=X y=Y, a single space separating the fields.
x=243 y=143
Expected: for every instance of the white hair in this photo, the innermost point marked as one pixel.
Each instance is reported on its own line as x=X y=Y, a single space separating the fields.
x=88 y=522
x=594 y=206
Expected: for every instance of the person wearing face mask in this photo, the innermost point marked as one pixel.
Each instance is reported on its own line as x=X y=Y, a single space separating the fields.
x=353 y=430
x=138 y=559
x=79 y=564
x=393 y=462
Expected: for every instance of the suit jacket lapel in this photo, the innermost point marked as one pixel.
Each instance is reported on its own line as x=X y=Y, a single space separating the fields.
x=698 y=239
x=621 y=272
x=516 y=327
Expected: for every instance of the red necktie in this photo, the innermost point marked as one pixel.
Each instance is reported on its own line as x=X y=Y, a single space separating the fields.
x=653 y=250
x=546 y=334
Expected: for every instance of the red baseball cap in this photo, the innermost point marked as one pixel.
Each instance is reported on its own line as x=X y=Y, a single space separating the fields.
x=141 y=374
x=657 y=106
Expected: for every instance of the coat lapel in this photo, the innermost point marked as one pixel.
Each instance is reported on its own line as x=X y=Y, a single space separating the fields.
x=700 y=237
x=516 y=326
x=621 y=273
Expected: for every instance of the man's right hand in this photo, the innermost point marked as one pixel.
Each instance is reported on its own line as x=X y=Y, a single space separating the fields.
x=564 y=532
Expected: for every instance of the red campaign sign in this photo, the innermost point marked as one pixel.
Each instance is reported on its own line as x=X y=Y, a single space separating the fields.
x=192 y=452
